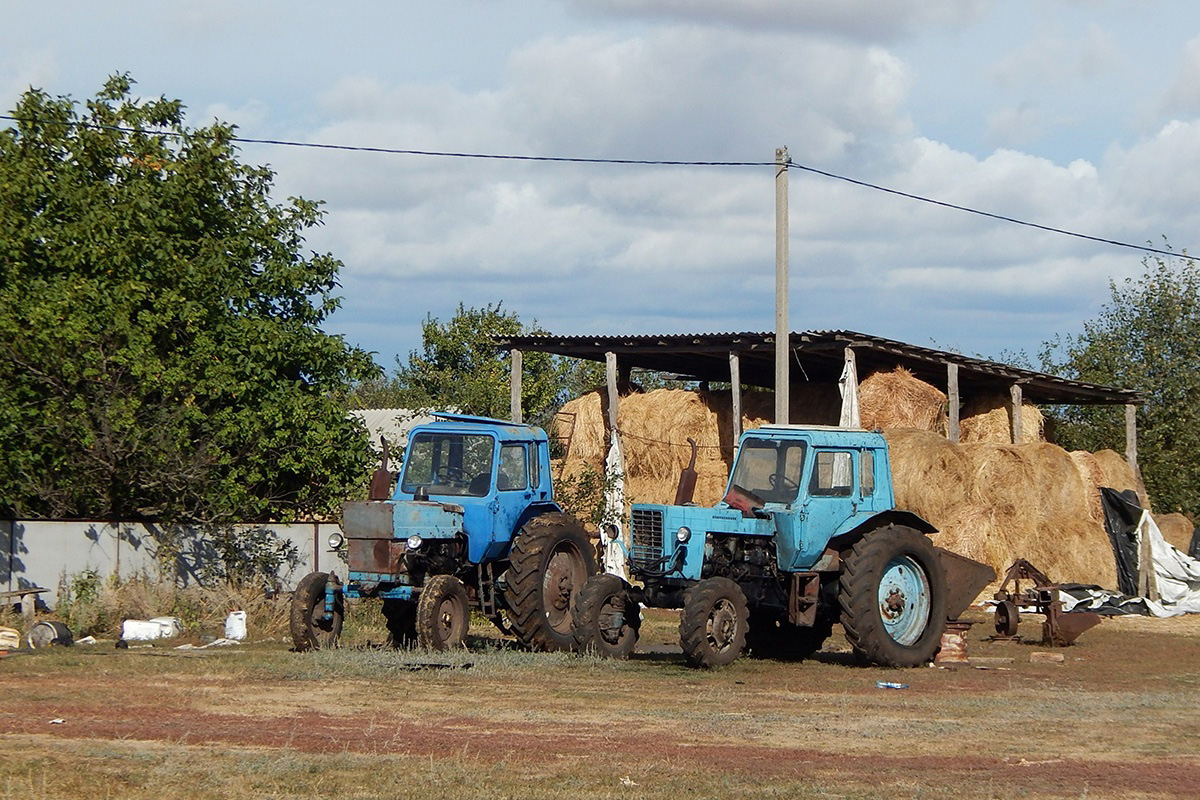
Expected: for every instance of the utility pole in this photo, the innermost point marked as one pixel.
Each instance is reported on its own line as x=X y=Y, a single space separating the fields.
x=783 y=350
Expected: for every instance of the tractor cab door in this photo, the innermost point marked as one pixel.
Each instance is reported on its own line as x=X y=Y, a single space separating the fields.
x=831 y=495
x=519 y=484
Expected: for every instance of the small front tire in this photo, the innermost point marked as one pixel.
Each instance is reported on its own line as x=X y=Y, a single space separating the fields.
x=713 y=623
x=606 y=618
x=443 y=614
x=312 y=626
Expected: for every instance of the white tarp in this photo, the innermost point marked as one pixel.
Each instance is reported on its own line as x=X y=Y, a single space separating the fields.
x=615 y=560
x=848 y=386
x=1177 y=576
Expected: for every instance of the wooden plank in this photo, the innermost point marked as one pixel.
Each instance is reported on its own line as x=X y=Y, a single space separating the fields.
x=514 y=385
x=610 y=364
x=735 y=394
x=953 y=402
x=1016 y=413
x=1131 y=438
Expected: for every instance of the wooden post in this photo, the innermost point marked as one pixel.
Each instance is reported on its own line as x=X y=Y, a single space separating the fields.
x=1131 y=438
x=953 y=401
x=514 y=385
x=735 y=395
x=610 y=364
x=1016 y=413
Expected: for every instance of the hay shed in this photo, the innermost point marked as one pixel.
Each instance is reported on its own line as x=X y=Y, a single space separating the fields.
x=970 y=428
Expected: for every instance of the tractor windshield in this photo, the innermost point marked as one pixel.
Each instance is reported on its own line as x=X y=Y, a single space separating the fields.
x=768 y=470
x=449 y=464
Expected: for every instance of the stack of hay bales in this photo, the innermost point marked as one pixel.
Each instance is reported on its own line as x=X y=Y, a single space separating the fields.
x=991 y=500
x=988 y=418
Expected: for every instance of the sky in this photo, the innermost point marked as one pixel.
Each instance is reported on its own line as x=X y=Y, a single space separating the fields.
x=1082 y=115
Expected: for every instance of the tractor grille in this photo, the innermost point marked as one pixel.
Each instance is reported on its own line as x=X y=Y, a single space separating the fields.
x=647 y=536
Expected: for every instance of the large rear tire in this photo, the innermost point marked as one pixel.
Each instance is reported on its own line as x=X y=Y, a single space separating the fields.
x=550 y=560
x=311 y=627
x=893 y=598
x=443 y=614
x=713 y=623
x=606 y=618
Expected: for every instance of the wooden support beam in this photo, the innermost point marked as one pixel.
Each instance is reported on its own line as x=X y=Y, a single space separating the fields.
x=610 y=364
x=1131 y=438
x=735 y=394
x=1016 y=413
x=514 y=386
x=953 y=403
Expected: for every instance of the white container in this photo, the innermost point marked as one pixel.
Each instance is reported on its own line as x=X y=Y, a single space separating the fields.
x=235 y=626
x=140 y=630
x=171 y=626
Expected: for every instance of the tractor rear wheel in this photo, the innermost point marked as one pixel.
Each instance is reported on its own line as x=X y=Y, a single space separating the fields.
x=550 y=560
x=606 y=618
x=311 y=626
x=401 y=616
x=713 y=622
x=893 y=597
x=443 y=614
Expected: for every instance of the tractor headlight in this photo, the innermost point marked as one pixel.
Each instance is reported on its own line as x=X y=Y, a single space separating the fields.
x=336 y=540
x=415 y=542
x=683 y=534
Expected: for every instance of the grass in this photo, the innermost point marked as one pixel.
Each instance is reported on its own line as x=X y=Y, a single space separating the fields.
x=1118 y=718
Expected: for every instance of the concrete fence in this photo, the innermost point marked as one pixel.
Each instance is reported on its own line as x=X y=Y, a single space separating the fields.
x=40 y=553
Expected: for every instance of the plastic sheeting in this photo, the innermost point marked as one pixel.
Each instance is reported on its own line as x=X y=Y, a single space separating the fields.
x=615 y=558
x=1176 y=575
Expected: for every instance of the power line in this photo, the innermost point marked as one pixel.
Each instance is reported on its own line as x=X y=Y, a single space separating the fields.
x=648 y=162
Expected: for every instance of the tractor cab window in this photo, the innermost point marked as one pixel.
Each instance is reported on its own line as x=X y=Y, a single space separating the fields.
x=833 y=474
x=769 y=470
x=449 y=464
x=513 y=470
x=866 y=473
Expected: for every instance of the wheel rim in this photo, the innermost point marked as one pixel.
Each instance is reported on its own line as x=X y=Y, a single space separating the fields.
x=564 y=575
x=448 y=619
x=722 y=625
x=612 y=619
x=904 y=600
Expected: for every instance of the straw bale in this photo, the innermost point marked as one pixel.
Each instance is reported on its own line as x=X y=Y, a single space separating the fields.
x=1093 y=478
x=898 y=399
x=997 y=503
x=988 y=418
x=1176 y=529
x=1117 y=474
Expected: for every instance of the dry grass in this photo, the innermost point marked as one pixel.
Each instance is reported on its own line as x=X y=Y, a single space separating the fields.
x=262 y=722
x=988 y=418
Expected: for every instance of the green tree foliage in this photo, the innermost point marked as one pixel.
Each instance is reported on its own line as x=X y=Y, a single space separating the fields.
x=459 y=367
x=1147 y=337
x=160 y=348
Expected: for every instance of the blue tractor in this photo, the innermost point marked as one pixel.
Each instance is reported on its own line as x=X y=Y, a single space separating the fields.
x=807 y=535
x=471 y=524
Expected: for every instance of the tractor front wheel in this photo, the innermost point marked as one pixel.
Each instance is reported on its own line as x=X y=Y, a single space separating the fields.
x=713 y=623
x=606 y=618
x=550 y=560
x=893 y=598
x=312 y=627
x=443 y=614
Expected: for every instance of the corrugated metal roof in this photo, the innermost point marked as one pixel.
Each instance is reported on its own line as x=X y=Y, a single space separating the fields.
x=819 y=356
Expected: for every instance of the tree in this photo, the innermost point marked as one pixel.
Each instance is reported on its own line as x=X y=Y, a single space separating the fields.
x=160 y=344
x=459 y=367
x=1147 y=337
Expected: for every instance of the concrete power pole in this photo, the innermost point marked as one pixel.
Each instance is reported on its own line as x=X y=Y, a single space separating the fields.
x=783 y=350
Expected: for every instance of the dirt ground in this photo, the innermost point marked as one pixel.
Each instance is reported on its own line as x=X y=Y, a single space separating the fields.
x=1118 y=717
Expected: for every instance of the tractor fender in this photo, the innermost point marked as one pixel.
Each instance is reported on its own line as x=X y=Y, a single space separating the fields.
x=534 y=510
x=847 y=538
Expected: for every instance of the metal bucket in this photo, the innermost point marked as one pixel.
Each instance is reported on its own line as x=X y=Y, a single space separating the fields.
x=49 y=632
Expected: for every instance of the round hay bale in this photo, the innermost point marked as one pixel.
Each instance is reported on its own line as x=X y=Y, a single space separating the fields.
x=1177 y=529
x=898 y=399
x=1117 y=474
x=988 y=418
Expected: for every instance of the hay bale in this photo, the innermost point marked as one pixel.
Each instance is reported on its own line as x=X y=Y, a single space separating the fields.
x=1176 y=529
x=997 y=503
x=1117 y=474
x=988 y=418
x=898 y=399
